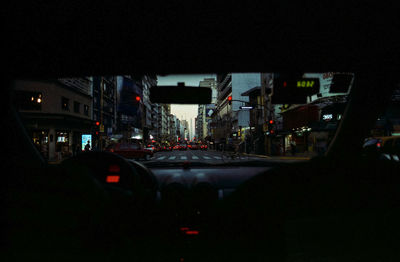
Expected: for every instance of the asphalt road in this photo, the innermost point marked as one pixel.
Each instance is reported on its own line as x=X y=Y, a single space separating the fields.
x=200 y=156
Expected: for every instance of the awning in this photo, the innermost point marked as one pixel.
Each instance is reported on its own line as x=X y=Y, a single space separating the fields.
x=253 y=90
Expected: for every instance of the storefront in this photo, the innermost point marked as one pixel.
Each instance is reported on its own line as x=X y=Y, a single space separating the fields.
x=63 y=144
x=55 y=136
x=41 y=141
x=297 y=127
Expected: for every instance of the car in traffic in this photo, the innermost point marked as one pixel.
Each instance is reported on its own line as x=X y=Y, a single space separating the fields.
x=182 y=146
x=164 y=148
x=193 y=146
x=203 y=147
x=382 y=147
x=152 y=148
x=130 y=151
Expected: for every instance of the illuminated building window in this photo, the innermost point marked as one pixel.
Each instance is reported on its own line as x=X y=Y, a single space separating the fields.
x=27 y=100
x=86 y=110
x=65 y=103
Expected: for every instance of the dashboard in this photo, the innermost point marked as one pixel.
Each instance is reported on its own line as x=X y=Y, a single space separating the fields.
x=223 y=180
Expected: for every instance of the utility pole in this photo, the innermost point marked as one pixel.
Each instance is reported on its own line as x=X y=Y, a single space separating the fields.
x=100 y=145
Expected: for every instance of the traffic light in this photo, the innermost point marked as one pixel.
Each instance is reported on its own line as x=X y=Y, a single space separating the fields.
x=137 y=98
x=230 y=100
x=271 y=127
x=96 y=129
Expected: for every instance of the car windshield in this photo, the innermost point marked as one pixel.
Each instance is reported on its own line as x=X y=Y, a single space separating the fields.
x=245 y=121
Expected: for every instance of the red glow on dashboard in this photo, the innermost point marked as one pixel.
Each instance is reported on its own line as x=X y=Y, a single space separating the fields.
x=112 y=179
x=114 y=169
x=192 y=232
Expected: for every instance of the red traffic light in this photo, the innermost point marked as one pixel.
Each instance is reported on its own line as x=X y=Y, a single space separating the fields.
x=229 y=98
x=97 y=123
x=137 y=98
x=271 y=121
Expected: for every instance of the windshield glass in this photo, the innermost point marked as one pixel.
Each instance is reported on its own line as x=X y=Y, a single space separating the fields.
x=246 y=119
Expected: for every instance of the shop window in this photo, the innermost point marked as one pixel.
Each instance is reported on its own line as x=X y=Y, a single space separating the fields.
x=86 y=110
x=26 y=100
x=65 y=103
x=77 y=107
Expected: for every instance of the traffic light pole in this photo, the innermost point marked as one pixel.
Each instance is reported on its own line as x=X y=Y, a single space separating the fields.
x=100 y=145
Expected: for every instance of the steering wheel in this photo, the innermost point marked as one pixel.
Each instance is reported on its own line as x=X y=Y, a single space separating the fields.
x=110 y=170
x=132 y=188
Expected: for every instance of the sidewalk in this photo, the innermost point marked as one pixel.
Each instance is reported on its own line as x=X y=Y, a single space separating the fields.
x=298 y=156
x=288 y=156
x=54 y=162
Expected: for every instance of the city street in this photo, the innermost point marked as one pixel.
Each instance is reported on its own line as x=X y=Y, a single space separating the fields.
x=211 y=156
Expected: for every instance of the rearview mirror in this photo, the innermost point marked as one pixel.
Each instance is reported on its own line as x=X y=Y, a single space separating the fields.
x=180 y=95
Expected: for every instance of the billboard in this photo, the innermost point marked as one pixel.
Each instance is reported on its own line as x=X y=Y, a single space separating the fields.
x=325 y=84
x=85 y=139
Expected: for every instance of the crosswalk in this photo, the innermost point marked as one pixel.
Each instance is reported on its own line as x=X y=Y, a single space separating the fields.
x=193 y=157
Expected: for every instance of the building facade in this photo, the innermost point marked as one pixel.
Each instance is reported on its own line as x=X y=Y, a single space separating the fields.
x=229 y=122
x=104 y=109
x=56 y=114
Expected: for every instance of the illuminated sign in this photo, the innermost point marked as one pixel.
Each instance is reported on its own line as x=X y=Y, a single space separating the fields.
x=327 y=117
x=294 y=90
x=305 y=83
x=85 y=140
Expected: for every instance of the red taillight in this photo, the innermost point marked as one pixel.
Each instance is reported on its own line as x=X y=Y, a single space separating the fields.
x=112 y=179
x=114 y=169
x=188 y=231
x=192 y=232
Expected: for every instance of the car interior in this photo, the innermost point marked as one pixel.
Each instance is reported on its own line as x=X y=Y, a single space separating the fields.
x=339 y=206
